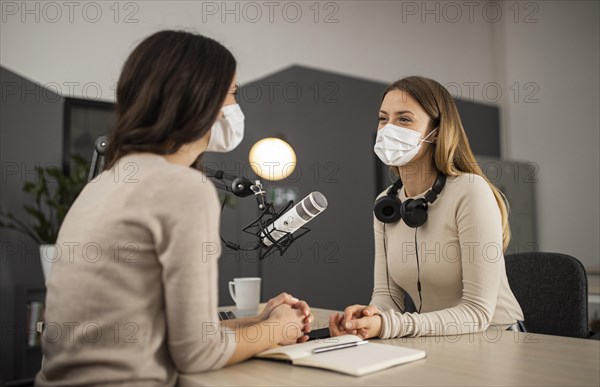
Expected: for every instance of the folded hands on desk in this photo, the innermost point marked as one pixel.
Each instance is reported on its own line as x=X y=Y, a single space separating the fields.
x=286 y=307
x=361 y=320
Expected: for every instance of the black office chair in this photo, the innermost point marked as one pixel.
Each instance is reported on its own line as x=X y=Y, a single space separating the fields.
x=552 y=291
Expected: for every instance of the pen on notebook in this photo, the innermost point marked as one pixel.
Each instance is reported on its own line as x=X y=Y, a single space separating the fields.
x=339 y=346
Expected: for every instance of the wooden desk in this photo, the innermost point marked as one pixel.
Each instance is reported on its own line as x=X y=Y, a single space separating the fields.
x=489 y=358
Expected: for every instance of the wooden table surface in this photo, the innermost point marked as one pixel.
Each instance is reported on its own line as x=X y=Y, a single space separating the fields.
x=489 y=358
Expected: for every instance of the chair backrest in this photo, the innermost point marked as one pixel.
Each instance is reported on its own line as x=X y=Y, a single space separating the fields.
x=552 y=291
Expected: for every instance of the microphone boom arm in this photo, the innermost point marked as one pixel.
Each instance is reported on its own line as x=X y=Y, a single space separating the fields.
x=259 y=226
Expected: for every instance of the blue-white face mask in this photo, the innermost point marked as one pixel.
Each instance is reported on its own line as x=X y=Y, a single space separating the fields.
x=228 y=131
x=397 y=146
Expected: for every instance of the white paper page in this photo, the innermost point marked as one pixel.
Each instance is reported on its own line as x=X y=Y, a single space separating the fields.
x=362 y=359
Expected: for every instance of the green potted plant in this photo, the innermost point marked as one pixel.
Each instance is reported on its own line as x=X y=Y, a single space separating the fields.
x=53 y=192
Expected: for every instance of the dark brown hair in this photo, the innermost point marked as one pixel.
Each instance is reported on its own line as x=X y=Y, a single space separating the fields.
x=170 y=92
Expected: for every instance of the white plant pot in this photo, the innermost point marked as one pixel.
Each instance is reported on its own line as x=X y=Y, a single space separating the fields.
x=48 y=255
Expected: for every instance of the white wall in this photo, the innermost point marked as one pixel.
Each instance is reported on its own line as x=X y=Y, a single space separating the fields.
x=551 y=45
x=369 y=40
x=559 y=56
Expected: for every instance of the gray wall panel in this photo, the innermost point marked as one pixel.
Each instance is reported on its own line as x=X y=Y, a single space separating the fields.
x=30 y=135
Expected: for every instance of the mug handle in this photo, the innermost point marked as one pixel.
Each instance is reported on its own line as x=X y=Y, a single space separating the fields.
x=231 y=291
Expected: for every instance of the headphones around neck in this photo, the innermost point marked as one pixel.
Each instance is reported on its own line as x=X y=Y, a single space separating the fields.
x=390 y=209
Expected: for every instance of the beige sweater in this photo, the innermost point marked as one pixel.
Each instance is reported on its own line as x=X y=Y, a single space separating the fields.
x=133 y=297
x=463 y=277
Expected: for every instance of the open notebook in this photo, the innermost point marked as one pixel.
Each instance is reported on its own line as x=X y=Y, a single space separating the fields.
x=358 y=360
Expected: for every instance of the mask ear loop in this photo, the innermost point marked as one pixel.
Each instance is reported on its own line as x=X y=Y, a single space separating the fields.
x=430 y=133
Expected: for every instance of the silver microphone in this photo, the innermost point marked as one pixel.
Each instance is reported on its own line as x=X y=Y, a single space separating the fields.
x=296 y=217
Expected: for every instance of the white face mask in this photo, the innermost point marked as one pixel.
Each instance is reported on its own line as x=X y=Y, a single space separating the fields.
x=397 y=146
x=228 y=131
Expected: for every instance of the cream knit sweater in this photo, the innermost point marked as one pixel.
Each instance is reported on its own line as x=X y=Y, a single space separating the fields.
x=463 y=276
x=133 y=299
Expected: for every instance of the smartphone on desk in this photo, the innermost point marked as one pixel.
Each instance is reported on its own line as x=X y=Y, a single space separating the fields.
x=321 y=333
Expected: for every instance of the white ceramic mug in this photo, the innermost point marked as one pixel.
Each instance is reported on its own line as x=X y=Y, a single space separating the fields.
x=245 y=292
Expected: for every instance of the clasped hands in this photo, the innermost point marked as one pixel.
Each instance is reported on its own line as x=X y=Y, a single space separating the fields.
x=361 y=320
x=291 y=311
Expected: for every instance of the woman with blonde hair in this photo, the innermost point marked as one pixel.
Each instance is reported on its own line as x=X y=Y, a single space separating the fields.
x=440 y=230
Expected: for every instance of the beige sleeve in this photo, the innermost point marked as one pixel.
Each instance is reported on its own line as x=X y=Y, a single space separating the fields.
x=188 y=248
x=480 y=236
x=381 y=294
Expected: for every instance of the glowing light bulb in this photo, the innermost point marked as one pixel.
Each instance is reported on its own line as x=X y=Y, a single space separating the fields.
x=272 y=159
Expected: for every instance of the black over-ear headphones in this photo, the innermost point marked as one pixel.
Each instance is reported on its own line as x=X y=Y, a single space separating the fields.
x=389 y=208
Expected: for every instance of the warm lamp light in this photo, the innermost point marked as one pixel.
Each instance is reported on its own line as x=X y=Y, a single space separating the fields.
x=272 y=159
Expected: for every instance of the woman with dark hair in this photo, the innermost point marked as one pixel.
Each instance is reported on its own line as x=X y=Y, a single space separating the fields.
x=440 y=231
x=132 y=298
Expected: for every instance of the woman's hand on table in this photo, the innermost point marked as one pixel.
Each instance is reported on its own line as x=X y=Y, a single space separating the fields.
x=295 y=303
x=361 y=320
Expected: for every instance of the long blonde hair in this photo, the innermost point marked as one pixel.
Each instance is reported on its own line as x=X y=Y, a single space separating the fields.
x=452 y=152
